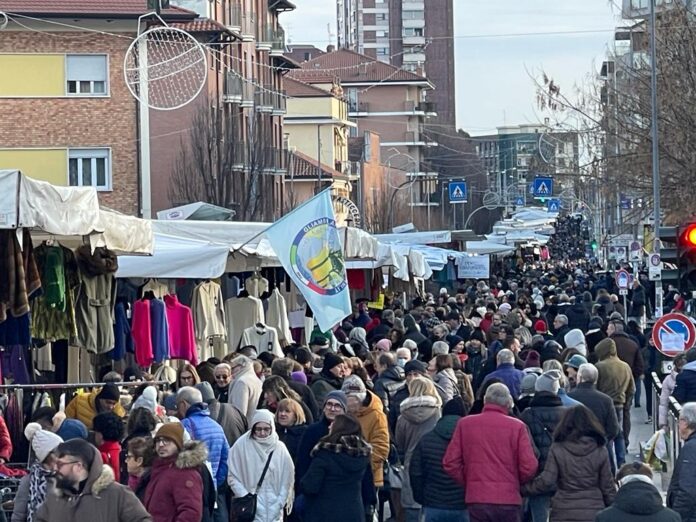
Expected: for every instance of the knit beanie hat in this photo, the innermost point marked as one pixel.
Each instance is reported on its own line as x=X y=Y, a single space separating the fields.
x=353 y=385
x=416 y=366
x=528 y=382
x=549 y=381
x=339 y=396
x=454 y=407
x=147 y=400
x=169 y=402
x=383 y=345
x=331 y=360
x=453 y=341
x=43 y=442
x=575 y=361
x=576 y=339
x=533 y=360
x=410 y=344
x=109 y=393
x=540 y=327
x=299 y=377
x=206 y=391
x=594 y=324
x=478 y=335
x=68 y=429
x=173 y=431
x=505 y=308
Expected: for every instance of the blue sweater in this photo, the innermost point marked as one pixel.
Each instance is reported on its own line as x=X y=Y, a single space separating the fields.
x=201 y=427
x=160 y=330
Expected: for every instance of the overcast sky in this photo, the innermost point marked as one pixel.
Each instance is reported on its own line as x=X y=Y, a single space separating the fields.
x=493 y=83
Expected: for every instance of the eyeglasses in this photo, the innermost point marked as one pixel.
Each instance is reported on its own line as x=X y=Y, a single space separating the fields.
x=130 y=457
x=221 y=377
x=334 y=405
x=260 y=429
x=60 y=465
x=163 y=442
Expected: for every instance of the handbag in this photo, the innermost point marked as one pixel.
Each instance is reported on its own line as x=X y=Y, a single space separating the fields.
x=243 y=509
x=393 y=470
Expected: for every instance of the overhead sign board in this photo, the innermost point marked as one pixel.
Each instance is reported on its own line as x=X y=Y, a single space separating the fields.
x=474 y=267
x=543 y=187
x=457 y=192
x=673 y=334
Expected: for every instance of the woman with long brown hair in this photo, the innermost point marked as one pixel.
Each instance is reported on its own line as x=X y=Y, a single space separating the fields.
x=186 y=375
x=274 y=390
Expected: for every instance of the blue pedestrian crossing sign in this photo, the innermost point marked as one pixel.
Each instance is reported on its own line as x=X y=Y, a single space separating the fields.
x=457 y=191
x=543 y=187
x=519 y=201
x=554 y=205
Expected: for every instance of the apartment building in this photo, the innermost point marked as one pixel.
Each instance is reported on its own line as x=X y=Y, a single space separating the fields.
x=66 y=115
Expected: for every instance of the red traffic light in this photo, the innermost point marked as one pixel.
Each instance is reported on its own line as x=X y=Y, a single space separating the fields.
x=688 y=236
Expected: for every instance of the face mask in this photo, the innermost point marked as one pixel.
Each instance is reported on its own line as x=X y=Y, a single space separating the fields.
x=401 y=362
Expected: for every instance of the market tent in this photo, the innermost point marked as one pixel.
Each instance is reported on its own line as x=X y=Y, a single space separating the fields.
x=67 y=212
x=488 y=247
x=176 y=257
x=197 y=212
x=433 y=237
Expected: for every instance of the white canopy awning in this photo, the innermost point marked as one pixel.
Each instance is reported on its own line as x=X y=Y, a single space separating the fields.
x=488 y=247
x=433 y=237
x=69 y=212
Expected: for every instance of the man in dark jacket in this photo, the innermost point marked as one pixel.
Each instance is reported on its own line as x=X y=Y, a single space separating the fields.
x=592 y=337
x=560 y=328
x=685 y=385
x=391 y=378
x=412 y=369
x=681 y=495
x=439 y=495
x=598 y=403
x=86 y=489
x=414 y=334
x=381 y=331
x=541 y=417
x=454 y=321
x=329 y=378
x=578 y=316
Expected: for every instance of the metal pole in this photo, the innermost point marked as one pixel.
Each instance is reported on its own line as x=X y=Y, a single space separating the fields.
x=655 y=146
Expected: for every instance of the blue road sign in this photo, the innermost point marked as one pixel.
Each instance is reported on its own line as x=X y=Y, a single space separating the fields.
x=519 y=201
x=530 y=188
x=626 y=202
x=457 y=191
x=543 y=187
x=554 y=205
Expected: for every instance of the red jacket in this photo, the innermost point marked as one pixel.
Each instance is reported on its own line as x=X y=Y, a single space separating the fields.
x=491 y=455
x=5 y=441
x=111 y=455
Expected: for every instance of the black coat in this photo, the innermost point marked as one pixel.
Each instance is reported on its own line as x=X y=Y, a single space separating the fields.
x=307 y=396
x=431 y=486
x=592 y=339
x=379 y=332
x=637 y=501
x=291 y=437
x=388 y=383
x=332 y=485
x=395 y=408
x=309 y=439
x=541 y=417
x=578 y=316
x=600 y=404
x=685 y=385
x=681 y=495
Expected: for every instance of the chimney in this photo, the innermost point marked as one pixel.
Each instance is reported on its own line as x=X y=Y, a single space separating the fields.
x=330 y=48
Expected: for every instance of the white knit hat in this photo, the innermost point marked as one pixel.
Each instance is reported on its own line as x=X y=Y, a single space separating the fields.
x=148 y=399
x=42 y=441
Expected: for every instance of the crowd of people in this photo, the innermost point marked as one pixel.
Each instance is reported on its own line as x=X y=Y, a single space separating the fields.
x=509 y=400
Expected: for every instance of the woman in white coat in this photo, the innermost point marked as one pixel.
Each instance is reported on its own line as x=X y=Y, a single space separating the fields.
x=246 y=461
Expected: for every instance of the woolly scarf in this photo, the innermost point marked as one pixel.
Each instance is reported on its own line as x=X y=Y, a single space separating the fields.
x=352 y=445
x=38 y=476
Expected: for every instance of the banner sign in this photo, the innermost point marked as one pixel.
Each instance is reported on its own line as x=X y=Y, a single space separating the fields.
x=474 y=267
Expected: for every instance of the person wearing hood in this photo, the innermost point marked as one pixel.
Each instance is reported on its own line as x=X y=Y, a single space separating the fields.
x=195 y=418
x=34 y=487
x=175 y=489
x=368 y=409
x=541 y=417
x=85 y=490
x=526 y=391
x=85 y=406
x=685 y=381
x=638 y=499
x=441 y=371
x=228 y=416
x=440 y=496
x=414 y=334
x=391 y=378
x=246 y=462
x=330 y=377
x=575 y=344
x=578 y=316
x=627 y=349
x=616 y=380
x=593 y=335
x=577 y=469
x=419 y=415
x=358 y=341
x=245 y=388
x=334 y=478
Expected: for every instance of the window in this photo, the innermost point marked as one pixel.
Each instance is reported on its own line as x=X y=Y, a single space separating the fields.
x=86 y=74
x=382 y=51
x=89 y=168
x=382 y=17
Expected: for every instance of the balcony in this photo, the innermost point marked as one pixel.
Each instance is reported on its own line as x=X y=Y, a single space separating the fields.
x=271 y=39
x=273 y=160
x=239 y=155
x=356 y=108
x=234 y=87
x=248 y=30
x=414 y=57
x=429 y=108
x=278 y=43
x=234 y=17
x=247 y=94
x=414 y=40
x=279 y=103
x=263 y=99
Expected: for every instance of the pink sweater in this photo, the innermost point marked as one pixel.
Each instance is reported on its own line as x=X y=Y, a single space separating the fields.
x=141 y=331
x=182 y=342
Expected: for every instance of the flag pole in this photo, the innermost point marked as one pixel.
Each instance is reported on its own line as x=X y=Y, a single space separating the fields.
x=255 y=236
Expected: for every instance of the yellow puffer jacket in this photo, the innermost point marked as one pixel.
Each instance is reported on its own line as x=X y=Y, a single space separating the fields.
x=83 y=408
x=375 y=430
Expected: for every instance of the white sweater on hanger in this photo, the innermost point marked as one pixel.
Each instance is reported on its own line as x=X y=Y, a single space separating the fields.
x=264 y=337
x=208 y=314
x=277 y=316
x=240 y=314
x=256 y=285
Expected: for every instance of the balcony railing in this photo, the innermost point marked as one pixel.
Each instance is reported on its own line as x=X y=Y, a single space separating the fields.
x=273 y=160
x=356 y=106
x=234 y=17
x=279 y=103
x=264 y=98
x=427 y=107
x=278 y=42
x=264 y=40
x=247 y=94
x=248 y=27
x=234 y=87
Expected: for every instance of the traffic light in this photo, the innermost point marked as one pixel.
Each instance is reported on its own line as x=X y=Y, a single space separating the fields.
x=686 y=246
x=594 y=244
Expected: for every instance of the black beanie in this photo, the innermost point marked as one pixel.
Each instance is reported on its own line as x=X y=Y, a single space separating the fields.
x=109 y=393
x=454 y=407
x=331 y=360
x=691 y=355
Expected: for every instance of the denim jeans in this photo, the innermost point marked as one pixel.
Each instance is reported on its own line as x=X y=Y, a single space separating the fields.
x=636 y=395
x=539 y=507
x=445 y=515
x=619 y=442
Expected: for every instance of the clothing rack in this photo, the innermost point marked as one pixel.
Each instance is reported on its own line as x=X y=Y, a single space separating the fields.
x=78 y=385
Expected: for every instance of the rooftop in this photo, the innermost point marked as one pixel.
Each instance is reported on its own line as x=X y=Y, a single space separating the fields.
x=305 y=167
x=298 y=89
x=87 y=8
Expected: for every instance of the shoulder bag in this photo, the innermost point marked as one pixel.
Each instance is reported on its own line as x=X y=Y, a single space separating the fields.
x=243 y=509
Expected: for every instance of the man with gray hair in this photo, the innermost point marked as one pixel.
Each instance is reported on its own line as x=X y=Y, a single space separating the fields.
x=195 y=417
x=491 y=456
x=561 y=328
x=599 y=403
x=681 y=495
x=506 y=372
x=223 y=376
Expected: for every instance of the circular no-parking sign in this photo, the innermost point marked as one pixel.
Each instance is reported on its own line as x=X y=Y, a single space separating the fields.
x=623 y=279
x=673 y=334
